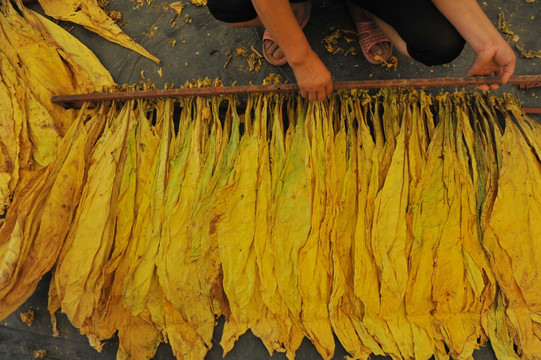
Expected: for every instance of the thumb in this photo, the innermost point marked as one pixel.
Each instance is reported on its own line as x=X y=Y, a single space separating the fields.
x=482 y=64
x=508 y=70
x=475 y=68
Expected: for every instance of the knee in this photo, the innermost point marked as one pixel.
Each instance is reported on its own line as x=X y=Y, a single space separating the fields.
x=438 y=47
x=232 y=12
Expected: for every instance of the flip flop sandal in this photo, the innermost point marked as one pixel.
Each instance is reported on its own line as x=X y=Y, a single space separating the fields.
x=374 y=36
x=267 y=36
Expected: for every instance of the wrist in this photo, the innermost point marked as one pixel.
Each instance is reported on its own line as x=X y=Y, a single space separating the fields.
x=486 y=40
x=298 y=56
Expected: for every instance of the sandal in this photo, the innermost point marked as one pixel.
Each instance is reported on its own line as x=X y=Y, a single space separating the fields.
x=267 y=36
x=375 y=36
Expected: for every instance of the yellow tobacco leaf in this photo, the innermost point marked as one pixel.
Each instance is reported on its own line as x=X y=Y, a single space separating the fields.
x=138 y=336
x=503 y=26
x=42 y=132
x=285 y=334
x=235 y=209
x=530 y=54
x=497 y=328
x=369 y=218
x=241 y=52
x=49 y=61
x=177 y=6
x=185 y=341
x=36 y=129
x=391 y=62
x=331 y=41
x=267 y=327
x=290 y=219
x=512 y=213
x=39 y=354
x=37 y=63
x=88 y=74
x=94 y=18
x=343 y=307
x=179 y=261
x=55 y=192
x=314 y=256
x=126 y=199
x=28 y=317
x=390 y=237
x=95 y=122
x=152 y=159
x=10 y=252
x=79 y=292
x=366 y=282
x=461 y=294
x=345 y=310
x=138 y=339
x=11 y=133
x=389 y=229
x=137 y=286
x=428 y=208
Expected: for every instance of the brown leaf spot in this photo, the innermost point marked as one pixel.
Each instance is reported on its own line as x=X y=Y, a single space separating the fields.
x=218 y=292
x=213 y=222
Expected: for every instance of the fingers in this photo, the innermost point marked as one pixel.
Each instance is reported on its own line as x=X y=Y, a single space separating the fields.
x=500 y=61
x=472 y=71
x=486 y=87
x=328 y=88
x=313 y=77
x=314 y=95
x=483 y=87
x=479 y=65
x=319 y=94
x=508 y=70
x=504 y=72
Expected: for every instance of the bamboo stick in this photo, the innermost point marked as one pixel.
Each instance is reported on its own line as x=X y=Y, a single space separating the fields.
x=77 y=100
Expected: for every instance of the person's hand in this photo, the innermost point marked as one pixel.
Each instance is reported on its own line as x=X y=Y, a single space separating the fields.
x=498 y=59
x=313 y=78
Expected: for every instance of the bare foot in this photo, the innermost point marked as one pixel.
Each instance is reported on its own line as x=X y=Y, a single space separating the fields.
x=302 y=12
x=359 y=15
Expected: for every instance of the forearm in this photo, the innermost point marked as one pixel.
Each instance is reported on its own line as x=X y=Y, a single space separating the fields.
x=278 y=17
x=470 y=21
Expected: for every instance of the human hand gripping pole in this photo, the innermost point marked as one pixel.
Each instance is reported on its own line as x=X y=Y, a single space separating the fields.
x=493 y=55
x=499 y=60
x=313 y=77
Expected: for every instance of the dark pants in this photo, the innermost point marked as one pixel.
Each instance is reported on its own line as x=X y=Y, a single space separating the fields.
x=431 y=39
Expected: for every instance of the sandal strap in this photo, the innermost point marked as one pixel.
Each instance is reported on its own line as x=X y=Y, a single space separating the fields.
x=375 y=35
x=371 y=40
x=369 y=35
x=367 y=27
x=267 y=36
x=276 y=62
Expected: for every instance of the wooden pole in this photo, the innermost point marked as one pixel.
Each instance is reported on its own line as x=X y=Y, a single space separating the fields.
x=77 y=100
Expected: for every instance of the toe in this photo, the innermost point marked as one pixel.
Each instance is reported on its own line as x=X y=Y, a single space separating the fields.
x=277 y=53
x=273 y=50
x=377 y=49
x=380 y=49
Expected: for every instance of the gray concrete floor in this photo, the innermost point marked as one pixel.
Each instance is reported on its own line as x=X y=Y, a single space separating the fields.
x=200 y=51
